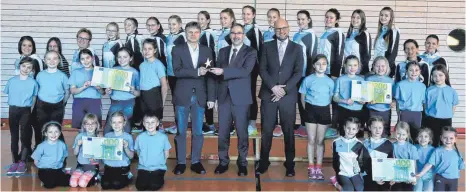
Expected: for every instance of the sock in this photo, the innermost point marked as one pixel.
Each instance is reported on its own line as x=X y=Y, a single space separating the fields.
x=311 y=166
x=319 y=166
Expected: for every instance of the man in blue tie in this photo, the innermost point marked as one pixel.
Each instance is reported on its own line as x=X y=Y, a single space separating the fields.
x=192 y=93
x=280 y=69
x=234 y=66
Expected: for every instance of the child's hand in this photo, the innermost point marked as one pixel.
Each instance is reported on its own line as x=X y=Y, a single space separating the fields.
x=392 y=182
x=80 y=142
x=393 y=104
x=131 y=89
x=125 y=143
x=349 y=102
x=380 y=182
x=98 y=87
x=372 y=102
x=87 y=84
x=413 y=183
x=361 y=102
x=108 y=91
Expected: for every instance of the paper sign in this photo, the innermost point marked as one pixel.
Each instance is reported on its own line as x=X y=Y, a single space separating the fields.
x=398 y=170
x=367 y=91
x=103 y=148
x=112 y=78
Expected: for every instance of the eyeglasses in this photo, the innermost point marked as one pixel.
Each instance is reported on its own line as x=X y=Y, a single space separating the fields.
x=89 y=124
x=83 y=39
x=112 y=31
x=237 y=33
x=153 y=25
x=281 y=29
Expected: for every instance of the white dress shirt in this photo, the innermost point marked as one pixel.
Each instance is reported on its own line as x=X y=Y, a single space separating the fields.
x=194 y=54
x=237 y=50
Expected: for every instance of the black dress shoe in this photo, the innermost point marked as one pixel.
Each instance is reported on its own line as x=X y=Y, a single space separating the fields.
x=242 y=171
x=290 y=172
x=179 y=169
x=198 y=168
x=262 y=168
x=221 y=169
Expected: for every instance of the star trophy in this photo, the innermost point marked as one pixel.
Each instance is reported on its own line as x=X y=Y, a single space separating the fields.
x=207 y=64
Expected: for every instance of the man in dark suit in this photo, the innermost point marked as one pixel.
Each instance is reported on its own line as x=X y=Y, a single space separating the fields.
x=280 y=69
x=235 y=64
x=191 y=93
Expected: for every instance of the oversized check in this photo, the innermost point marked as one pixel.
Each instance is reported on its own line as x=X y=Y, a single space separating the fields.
x=103 y=148
x=398 y=170
x=112 y=78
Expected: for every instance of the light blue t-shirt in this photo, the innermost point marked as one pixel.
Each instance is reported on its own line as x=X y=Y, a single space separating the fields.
x=78 y=78
x=440 y=101
x=382 y=79
x=424 y=156
x=151 y=74
x=447 y=163
x=410 y=95
x=343 y=89
x=125 y=161
x=81 y=159
x=151 y=150
x=21 y=92
x=318 y=90
x=50 y=156
x=124 y=95
x=52 y=86
x=405 y=151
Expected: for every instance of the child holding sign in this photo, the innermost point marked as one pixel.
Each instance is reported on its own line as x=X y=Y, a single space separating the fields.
x=152 y=148
x=117 y=172
x=447 y=162
x=87 y=168
x=87 y=98
x=49 y=157
x=403 y=149
x=381 y=70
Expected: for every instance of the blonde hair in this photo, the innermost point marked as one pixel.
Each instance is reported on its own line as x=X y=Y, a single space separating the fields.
x=118 y=114
x=93 y=118
x=390 y=24
x=428 y=132
x=117 y=28
x=401 y=125
x=386 y=63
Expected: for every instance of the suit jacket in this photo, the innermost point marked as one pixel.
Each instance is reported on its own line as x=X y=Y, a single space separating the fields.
x=288 y=73
x=187 y=76
x=236 y=76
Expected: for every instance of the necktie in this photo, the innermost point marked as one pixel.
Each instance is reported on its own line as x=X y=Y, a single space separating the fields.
x=233 y=56
x=281 y=51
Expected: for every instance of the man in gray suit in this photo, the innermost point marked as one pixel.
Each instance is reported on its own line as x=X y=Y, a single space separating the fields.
x=280 y=69
x=191 y=93
x=235 y=64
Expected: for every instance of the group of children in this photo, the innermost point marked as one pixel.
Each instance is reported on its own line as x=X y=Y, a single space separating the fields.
x=421 y=91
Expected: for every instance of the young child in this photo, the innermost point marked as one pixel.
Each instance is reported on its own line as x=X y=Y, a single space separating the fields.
x=332 y=43
x=441 y=101
x=121 y=100
x=252 y=38
x=350 y=158
x=431 y=55
x=447 y=162
x=134 y=41
x=110 y=48
x=117 y=172
x=52 y=96
x=425 y=150
x=27 y=48
x=403 y=149
x=87 y=168
x=54 y=44
x=358 y=40
x=22 y=91
x=83 y=38
x=307 y=38
x=222 y=39
x=381 y=70
x=316 y=91
x=153 y=82
x=86 y=98
x=410 y=96
x=49 y=157
x=342 y=94
x=273 y=14
x=411 y=48
x=152 y=148
x=378 y=147
x=207 y=38
x=387 y=39
x=155 y=29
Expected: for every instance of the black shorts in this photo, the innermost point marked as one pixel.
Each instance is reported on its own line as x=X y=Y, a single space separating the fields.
x=318 y=114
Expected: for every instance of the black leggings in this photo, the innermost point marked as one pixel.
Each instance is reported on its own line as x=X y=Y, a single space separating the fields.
x=53 y=178
x=115 y=177
x=20 y=129
x=402 y=187
x=150 y=180
x=444 y=184
x=48 y=112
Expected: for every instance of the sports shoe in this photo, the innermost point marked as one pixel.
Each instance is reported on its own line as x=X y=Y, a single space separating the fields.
x=208 y=129
x=311 y=173
x=301 y=131
x=335 y=183
x=277 y=131
x=12 y=169
x=21 y=168
x=232 y=130
x=136 y=130
x=252 y=130
x=331 y=133
x=171 y=130
x=319 y=174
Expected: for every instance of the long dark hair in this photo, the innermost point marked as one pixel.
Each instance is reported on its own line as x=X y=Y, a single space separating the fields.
x=135 y=22
x=305 y=12
x=451 y=129
x=130 y=53
x=253 y=10
x=57 y=41
x=160 y=31
x=442 y=68
x=363 y=27
x=207 y=16
x=20 y=43
x=337 y=15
